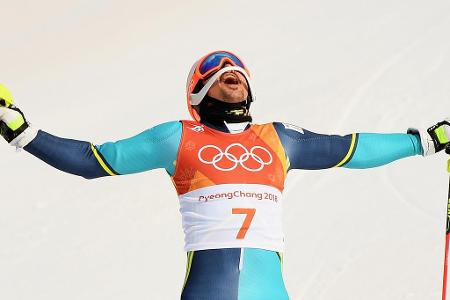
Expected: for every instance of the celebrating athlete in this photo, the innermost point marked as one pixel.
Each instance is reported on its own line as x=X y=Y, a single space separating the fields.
x=228 y=172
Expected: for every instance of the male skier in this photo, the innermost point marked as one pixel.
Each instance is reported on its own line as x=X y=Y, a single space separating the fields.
x=228 y=172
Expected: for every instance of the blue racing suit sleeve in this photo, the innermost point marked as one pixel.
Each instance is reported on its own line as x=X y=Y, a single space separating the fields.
x=154 y=148
x=312 y=151
x=71 y=156
x=376 y=149
x=308 y=150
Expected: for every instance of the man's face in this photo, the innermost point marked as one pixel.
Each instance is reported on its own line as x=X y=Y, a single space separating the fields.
x=231 y=87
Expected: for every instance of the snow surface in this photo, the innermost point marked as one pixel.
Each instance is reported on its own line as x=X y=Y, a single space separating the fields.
x=105 y=70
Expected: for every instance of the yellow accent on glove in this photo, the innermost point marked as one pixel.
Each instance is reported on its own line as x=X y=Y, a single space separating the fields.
x=6 y=98
x=15 y=124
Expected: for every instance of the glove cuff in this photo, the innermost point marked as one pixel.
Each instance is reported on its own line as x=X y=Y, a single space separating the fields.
x=24 y=138
x=426 y=141
x=435 y=138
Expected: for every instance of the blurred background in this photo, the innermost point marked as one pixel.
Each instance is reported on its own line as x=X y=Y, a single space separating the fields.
x=106 y=70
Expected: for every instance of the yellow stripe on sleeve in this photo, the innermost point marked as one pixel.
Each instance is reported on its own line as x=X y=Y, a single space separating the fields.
x=350 y=151
x=101 y=162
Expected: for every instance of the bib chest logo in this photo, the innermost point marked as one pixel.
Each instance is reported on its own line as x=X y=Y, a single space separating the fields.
x=234 y=155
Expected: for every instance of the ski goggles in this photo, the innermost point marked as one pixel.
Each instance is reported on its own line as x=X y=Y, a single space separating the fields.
x=214 y=61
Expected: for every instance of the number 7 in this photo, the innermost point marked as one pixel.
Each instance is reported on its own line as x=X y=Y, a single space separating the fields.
x=250 y=213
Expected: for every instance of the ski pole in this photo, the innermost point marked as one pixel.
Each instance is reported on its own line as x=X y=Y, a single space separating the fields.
x=447 y=234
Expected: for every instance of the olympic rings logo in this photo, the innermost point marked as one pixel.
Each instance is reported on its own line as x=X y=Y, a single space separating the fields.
x=233 y=159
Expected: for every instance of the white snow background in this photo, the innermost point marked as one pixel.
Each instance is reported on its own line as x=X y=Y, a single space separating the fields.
x=105 y=70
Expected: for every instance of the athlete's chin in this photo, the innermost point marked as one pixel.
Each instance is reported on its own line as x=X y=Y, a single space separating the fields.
x=235 y=96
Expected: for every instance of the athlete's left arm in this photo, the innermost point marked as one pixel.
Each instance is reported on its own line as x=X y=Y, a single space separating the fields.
x=308 y=150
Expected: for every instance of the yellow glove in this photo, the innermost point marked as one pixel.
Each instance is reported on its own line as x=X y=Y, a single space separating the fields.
x=6 y=99
x=13 y=126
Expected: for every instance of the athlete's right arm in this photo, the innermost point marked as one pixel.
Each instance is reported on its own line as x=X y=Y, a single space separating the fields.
x=154 y=148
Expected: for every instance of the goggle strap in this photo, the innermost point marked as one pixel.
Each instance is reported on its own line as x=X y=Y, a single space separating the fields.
x=197 y=98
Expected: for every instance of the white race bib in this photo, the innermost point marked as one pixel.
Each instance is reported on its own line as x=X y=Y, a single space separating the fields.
x=232 y=216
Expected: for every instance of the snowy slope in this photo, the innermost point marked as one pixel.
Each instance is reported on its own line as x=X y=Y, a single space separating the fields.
x=105 y=70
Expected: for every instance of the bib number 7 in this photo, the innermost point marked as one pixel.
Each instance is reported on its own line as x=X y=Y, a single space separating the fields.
x=249 y=214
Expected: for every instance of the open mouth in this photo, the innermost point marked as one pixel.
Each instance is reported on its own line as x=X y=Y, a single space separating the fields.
x=230 y=78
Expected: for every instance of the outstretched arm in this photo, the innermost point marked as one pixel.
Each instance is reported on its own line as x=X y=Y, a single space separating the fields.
x=309 y=150
x=154 y=148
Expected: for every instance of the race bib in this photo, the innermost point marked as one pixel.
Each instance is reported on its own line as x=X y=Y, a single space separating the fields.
x=232 y=216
